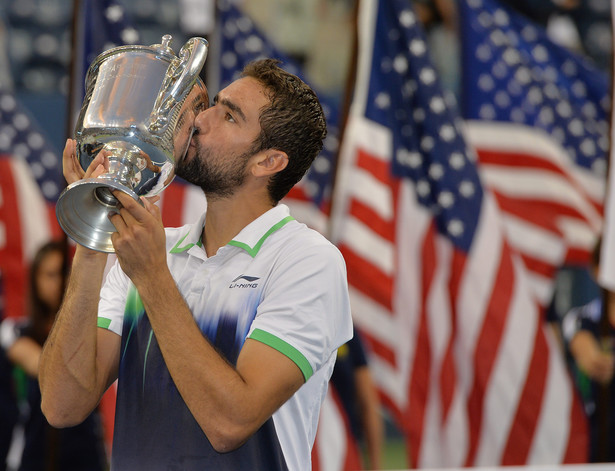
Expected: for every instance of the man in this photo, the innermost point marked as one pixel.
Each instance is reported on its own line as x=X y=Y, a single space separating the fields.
x=223 y=333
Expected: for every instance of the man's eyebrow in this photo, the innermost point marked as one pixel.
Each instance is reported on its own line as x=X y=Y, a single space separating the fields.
x=197 y=100
x=229 y=104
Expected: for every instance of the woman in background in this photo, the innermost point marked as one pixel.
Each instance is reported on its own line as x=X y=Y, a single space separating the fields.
x=77 y=448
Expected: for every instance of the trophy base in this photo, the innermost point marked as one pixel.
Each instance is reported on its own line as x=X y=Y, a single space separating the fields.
x=83 y=212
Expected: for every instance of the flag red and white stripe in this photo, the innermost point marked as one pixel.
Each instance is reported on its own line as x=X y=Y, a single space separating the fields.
x=335 y=448
x=27 y=221
x=551 y=208
x=181 y=203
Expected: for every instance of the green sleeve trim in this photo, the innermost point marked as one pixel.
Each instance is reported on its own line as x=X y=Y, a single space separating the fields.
x=252 y=251
x=103 y=322
x=285 y=348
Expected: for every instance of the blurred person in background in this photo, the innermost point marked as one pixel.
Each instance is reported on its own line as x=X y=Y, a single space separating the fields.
x=353 y=382
x=589 y=336
x=77 y=448
x=9 y=411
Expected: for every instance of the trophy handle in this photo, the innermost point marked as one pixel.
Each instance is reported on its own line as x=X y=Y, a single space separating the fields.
x=181 y=75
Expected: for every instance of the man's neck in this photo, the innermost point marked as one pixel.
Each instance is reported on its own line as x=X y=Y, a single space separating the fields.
x=226 y=218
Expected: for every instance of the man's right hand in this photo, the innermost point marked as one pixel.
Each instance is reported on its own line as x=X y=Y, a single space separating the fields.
x=73 y=172
x=72 y=168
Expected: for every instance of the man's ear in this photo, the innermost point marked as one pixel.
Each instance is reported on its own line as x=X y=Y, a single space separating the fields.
x=270 y=162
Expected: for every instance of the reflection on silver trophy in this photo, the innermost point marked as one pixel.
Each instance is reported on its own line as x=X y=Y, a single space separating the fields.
x=133 y=99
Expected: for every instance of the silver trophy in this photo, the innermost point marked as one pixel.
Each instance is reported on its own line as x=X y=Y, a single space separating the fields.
x=134 y=95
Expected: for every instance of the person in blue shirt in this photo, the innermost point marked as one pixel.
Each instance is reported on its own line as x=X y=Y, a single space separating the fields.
x=589 y=336
x=355 y=387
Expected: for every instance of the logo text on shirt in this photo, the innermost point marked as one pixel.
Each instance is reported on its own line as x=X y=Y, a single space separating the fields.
x=249 y=282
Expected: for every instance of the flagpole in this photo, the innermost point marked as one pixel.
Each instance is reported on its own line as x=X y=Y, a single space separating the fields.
x=351 y=77
x=606 y=272
x=211 y=71
x=70 y=107
x=72 y=104
x=607 y=284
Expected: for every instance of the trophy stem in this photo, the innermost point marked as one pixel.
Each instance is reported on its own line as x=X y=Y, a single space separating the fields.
x=105 y=197
x=83 y=211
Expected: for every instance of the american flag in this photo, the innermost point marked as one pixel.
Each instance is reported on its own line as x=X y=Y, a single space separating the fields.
x=30 y=182
x=335 y=448
x=536 y=114
x=459 y=348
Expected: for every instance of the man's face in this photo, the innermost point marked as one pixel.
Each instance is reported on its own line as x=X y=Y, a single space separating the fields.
x=219 y=153
x=196 y=101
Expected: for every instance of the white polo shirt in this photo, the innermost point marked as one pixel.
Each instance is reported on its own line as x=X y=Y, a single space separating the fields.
x=277 y=282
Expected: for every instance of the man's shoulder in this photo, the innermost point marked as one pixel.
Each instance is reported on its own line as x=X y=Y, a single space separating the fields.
x=299 y=235
x=296 y=245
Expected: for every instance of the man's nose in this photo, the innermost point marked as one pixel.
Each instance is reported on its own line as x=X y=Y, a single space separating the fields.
x=200 y=118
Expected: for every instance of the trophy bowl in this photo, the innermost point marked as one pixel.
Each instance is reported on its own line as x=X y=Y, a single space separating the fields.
x=134 y=96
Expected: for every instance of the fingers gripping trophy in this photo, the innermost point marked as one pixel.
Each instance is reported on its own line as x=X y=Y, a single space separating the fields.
x=133 y=98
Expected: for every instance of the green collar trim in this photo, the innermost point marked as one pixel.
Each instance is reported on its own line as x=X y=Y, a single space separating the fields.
x=178 y=249
x=252 y=251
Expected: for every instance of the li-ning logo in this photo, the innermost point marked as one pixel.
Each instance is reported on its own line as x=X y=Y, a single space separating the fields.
x=250 y=282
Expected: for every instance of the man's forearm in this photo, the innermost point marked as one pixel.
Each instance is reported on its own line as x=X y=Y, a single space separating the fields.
x=228 y=403
x=68 y=376
x=196 y=368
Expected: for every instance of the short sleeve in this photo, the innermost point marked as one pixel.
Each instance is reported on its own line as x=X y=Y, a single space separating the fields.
x=305 y=310
x=113 y=296
x=585 y=317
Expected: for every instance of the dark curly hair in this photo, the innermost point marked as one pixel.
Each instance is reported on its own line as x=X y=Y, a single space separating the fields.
x=293 y=122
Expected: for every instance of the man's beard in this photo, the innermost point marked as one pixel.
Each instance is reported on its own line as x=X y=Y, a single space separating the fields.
x=216 y=180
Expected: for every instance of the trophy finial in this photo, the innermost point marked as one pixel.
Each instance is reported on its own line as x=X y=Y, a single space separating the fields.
x=166 y=40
